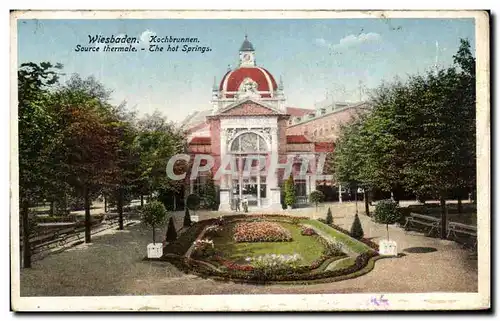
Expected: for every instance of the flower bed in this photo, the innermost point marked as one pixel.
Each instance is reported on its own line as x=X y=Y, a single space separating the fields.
x=307 y=231
x=360 y=266
x=252 y=249
x=261 y=231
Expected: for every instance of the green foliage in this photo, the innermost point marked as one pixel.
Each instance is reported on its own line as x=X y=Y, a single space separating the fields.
x=187 y=218
x=290 y=198
x=329 y=217
x=418 y=134
x=171 y=232
x=387 y=212
x=356 y=228
x=210 y=193
x=316 y=197
x=153 y=213
x=193 y=202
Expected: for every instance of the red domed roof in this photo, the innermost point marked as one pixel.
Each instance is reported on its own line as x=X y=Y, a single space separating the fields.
x=232 y=80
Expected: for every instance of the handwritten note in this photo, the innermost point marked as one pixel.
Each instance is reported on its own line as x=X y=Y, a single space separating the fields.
x=379 y=302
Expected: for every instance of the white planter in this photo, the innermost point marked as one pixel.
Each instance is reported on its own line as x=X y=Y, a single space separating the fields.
x=388 y=247
x=195 y=218
x=155 y=250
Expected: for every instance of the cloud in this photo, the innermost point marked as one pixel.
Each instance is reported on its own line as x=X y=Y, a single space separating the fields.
x=146 y=35
x=349 y=41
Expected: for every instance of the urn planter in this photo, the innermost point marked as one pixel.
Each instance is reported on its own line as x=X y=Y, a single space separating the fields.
x=155 y=250
x=388 y=248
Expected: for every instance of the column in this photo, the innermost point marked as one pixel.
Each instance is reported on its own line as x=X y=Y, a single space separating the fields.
x=258 y=191
x=340 y=193
x=225 y=198
x=272 y=180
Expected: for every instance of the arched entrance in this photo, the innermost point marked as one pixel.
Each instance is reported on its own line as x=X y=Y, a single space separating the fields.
x=250 y=151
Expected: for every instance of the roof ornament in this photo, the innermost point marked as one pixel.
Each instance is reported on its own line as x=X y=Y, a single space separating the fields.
x=246 y=45
x=214 y=86
x=280 y=86
x=229 y=67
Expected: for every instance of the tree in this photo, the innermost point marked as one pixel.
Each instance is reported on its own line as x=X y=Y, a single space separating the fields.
x=329 y=217
x=158 y=140
x=193 y=202
x=316 y=197
x=153 y=215
x=356 y=228
x=127 y=162
x=36 y=139
x=171 y=232
x=420 y=135
x=210 y=192
x=187 y=218
x=290 y=192
x=86 y=156
x=387 y=212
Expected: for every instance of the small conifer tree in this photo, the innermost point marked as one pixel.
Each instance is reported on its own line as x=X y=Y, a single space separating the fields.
x=171 y=232
x=329 y=217
x=187 y=218
x=356 y=228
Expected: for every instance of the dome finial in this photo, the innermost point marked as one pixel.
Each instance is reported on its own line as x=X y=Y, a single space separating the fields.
x=246 y=45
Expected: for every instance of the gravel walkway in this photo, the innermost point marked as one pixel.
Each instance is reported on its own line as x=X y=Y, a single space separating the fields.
x=113 y=265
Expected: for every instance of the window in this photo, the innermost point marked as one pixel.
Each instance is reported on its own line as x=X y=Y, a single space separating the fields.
x=248 y=143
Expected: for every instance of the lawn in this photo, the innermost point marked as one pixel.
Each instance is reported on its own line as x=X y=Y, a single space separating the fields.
x=352 y=243
x=308 y=247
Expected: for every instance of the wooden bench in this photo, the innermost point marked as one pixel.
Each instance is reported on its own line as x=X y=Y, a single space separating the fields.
x=470 y=230
x=433 y=222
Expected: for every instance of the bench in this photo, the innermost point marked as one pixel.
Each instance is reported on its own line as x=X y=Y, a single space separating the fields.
x=470 y=230
x=433 y=222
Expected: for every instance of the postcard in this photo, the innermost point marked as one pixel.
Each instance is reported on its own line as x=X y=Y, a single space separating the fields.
x=250 y=160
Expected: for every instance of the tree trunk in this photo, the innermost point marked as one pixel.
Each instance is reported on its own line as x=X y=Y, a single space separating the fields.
x=444 y=220
x=175 y=203
x=153 y=234
x=356 y=199
x=459 y=205
x=105 y=204
x=51 y=213
x=367 y=204
x=387 y=228
x=88 y=223
x=119 y=206
x=26 y=235
x=142 y=200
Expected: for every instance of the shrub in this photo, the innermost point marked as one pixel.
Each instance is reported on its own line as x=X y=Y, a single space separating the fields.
x=261 y=232
x=187 y=218
x=171 y=232
x=290 y=192
x=387 y=212
x=316 y=197
x=210 y=193
x=329 y=217
x=153 y=214
x=356 y=228
x=193 y=202
x=308 y=231
x=203 y=248
x=332 y=248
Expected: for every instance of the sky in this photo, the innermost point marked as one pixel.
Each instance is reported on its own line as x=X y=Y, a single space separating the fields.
x=318 y=59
